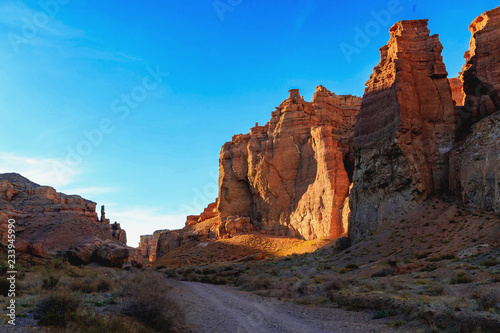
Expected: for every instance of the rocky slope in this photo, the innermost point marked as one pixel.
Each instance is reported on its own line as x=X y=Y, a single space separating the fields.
x=48 y=222
x=404 y=130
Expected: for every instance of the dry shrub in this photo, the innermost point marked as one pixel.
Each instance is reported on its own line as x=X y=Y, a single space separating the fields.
x=50 y=282
x=490 y=300
x=249 y=283
x=92 y=322
x=56 y=309
x=86 y=285
x=333 y=283
x=149 y=302
x=90 y=285
x=434 y=289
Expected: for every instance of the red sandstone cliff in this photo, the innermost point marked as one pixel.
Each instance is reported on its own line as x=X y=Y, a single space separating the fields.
x=475 y=160
x=404 y=130
x=288 y=176
x=51 y=222
x=481 y=71
x=292 y=175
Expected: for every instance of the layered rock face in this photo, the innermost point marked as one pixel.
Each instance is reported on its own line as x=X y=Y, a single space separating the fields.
x=48 y=221
x=481 y=72
x=475 y=165
x=457 y=91
x=288 y=177
x=475 y=161
x=404 y=130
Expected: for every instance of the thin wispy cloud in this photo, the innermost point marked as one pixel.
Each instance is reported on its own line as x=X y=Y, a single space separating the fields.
x=41 y=170
x=18 y=19
x=16 y=16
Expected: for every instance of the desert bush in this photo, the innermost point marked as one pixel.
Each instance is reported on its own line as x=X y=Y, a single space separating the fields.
x=92 y=322
x=489 y=262
x=249 y=283
x=149 y=303
x=351 y=266
x=333 y=283
x=87 y=285
x=103 y=285
x=50 y=282
x=434 y=290
x=489 y=301
x=383 y=272
x=460 y=278
x=58 y=263
x=56 y=309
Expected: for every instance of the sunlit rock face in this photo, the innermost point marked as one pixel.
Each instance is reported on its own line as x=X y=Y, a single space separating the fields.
x=48 y=221
x=291 y=176
x=481 y=72
x=404 y=131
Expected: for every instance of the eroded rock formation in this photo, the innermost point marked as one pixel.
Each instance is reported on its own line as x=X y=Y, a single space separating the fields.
x=48 y=221
x=475 y=161
x=481 y=72
x=404 y=130
x=288 y=176
x=475 y=165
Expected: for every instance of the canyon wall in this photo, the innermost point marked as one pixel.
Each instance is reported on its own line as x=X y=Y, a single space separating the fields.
x=481 y=72
x=404 y=130
x=288 y=176
x=475 y=160
x=51 y=222
x=414 y=133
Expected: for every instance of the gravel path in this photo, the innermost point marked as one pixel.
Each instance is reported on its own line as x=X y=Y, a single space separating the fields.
x=211 y=308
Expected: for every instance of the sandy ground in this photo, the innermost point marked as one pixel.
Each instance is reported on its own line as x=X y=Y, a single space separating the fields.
x=213 y=308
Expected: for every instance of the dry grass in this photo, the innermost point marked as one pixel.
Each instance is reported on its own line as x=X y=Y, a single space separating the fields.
x=235 y=248
x=64 y=298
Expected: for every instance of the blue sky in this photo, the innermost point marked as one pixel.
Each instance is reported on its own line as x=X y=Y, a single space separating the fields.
x=128 y=103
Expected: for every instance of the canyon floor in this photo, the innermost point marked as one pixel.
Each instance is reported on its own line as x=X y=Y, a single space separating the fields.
x=213 y=308
x=435 y=270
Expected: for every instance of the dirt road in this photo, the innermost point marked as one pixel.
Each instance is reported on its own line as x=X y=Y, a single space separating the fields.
x=211 y=308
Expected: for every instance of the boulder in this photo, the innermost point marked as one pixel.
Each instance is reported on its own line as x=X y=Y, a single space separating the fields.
x=111 y=254
x=83 y=253
x=107 y=253
x=343 y=243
